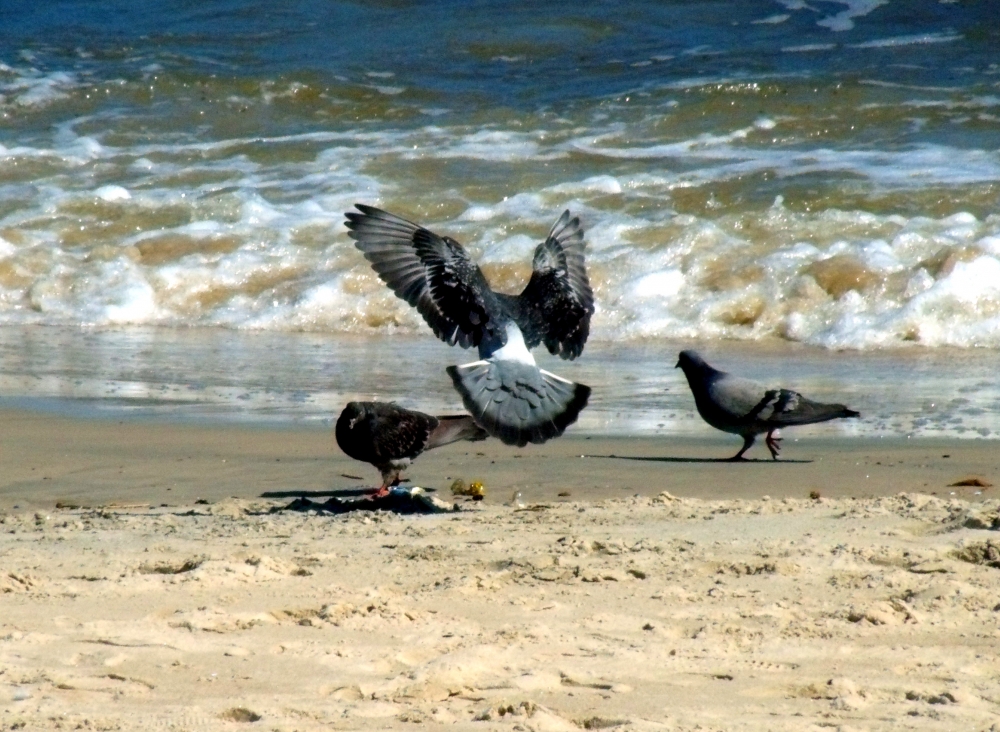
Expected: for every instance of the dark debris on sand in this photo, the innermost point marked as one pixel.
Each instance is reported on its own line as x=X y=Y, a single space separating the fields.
x=397 y=501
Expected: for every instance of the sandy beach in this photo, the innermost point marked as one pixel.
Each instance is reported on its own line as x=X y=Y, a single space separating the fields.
x=195 y=281
x=665 y=591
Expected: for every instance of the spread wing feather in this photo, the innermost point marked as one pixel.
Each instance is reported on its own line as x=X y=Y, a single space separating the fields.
x=431 y=273
x=556 y=306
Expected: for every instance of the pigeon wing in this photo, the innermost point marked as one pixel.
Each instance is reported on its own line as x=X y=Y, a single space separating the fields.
x=457 y=285
x=401 y=433
x=558 y=301
x=741 y=399
x=791 y=408
x=750 y=401
x=431 y=273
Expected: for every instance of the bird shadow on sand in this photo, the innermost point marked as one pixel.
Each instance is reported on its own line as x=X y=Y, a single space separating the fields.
x=339 y=493
x=698 y=460
x=332 y=493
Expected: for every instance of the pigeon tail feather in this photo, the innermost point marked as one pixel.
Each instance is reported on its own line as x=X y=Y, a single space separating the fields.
x=454 y=429
x=518 y=402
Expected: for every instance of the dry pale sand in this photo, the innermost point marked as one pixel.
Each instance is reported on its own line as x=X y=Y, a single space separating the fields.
x=710 y=609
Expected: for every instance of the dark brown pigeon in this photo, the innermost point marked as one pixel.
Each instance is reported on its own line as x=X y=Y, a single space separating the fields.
x=391 y=437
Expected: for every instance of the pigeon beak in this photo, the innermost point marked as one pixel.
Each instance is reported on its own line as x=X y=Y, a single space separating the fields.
x=677 y=365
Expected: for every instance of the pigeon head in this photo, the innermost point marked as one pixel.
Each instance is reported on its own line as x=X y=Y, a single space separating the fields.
x=351 y=414
x=690 y=361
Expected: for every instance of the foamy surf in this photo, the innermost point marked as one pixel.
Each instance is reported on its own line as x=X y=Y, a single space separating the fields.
x=145 y=254
x=818 y=176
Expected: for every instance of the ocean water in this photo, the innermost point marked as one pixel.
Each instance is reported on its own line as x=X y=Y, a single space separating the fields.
x=823 y=174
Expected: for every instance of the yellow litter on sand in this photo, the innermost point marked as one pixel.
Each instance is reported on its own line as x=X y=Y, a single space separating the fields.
x=476 y=489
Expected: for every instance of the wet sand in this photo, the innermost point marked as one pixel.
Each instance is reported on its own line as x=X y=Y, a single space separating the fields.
x=49 y=459
x=666 y=591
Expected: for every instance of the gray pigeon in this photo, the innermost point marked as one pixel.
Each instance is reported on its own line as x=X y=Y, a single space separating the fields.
x=505 y=390
x=747 y=408
x=391 y=437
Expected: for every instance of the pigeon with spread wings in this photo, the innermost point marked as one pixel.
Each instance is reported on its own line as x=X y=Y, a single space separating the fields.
x=391 y=437
x=505 y=390
x=746 y=408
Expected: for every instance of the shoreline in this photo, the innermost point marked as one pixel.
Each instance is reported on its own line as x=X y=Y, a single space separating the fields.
x=209 y=375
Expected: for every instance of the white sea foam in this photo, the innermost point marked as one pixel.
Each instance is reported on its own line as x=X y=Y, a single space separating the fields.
x=112 y=193
x=918 y=166
x=6 y=248
x=772 y=19
x=30 y=88
x=243 y=243
x=659 y=285
x=844 y=20
x=979 y=102
x=495 y=145
x=606 y=184
x=917 y=39
x=132 y=302
x=809 y=47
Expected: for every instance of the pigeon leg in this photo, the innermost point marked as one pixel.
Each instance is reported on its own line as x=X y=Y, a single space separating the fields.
x=772 y=444
x=747 y=442
x=390 y=478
